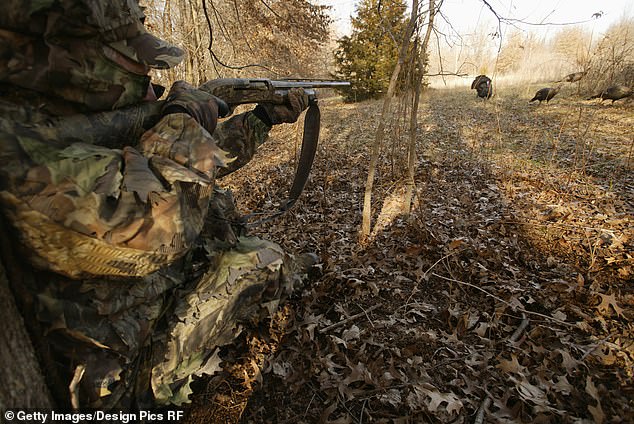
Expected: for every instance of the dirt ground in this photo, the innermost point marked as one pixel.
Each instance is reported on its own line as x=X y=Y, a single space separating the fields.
x=506 y=295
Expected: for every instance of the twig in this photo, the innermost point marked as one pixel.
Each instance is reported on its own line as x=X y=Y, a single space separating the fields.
x=453 y=280
x=213 y=54
x=520 y=330
x=366 y=314
x=442 y=74
x=522 y=21
x=343 y=403
x=309 y=403
x=593 y=348
x=535 y=222
x=426 y=273
x=351 y=318
x=499 y=299
x=361 y=413
x=479 y=419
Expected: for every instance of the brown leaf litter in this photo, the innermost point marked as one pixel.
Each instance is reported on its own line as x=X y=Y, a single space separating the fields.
x=506 y=294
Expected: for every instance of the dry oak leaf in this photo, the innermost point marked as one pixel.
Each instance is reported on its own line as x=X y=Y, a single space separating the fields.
x=568 y=361
x=454 y=404
x=530 y=392
x=512 y=366
x=417 y=398
x=596 y=411
x=563 y=385
x=608 y=300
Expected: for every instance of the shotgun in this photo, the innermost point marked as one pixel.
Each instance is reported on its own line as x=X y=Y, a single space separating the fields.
x=121 y=127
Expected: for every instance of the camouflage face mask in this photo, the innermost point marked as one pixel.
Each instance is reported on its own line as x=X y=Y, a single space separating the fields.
x=77 y=70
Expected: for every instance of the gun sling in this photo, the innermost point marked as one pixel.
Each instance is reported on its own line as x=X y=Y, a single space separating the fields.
x=307 y=153
x=310 y=140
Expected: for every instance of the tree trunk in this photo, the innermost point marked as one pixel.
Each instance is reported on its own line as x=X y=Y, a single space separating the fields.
x=411 y=150
x=376 y=147
x=23 y=384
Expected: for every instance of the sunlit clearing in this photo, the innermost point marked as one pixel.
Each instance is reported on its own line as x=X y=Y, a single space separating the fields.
x=395 y=204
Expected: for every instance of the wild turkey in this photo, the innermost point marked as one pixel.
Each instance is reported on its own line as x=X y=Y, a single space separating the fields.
x=545 y=94
x=574 y=77
x=614 y=93
x=482 y=85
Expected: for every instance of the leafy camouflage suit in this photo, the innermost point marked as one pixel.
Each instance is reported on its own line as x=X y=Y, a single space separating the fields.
x=145 y=276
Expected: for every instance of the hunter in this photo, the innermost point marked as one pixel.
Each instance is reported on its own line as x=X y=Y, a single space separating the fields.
x=140 y=266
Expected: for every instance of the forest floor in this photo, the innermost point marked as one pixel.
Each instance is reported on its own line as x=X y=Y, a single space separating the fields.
x=507 y=291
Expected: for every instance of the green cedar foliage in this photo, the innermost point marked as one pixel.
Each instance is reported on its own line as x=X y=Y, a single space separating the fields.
x=368 y=56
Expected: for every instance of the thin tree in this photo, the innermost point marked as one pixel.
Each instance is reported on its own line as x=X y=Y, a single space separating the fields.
x=376 y=147
x=420 y=55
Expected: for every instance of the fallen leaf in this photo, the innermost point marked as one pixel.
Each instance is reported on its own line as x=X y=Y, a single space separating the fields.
x=437 y=398
x=455 y=244
x=530 y=392
x=512 y=366
x=567 y=361
x=597 y=413
x=591 y=389
x=606 y=302
x=560 y=315
x=562 y=385
x=392 y=397
x=353 y=333
x=358 y=373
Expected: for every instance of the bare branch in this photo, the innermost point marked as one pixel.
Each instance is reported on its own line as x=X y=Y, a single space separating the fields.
x=270 y=9
x=501 y=19
x=443 y=74
x=246 y=40
x=213 y=54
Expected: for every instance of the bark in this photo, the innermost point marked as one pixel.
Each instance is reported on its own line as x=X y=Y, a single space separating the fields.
x=23 y=384
x=198 y=46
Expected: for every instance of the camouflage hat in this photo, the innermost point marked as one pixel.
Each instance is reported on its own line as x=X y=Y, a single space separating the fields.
x=149 y=50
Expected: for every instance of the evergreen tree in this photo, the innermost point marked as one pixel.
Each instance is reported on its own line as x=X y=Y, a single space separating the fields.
x=367 y=57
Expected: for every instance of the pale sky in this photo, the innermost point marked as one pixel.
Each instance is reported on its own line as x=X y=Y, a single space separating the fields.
x=466 y=15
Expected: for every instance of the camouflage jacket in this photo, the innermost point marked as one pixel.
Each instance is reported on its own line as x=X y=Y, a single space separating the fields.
x=90 y=210
x=149 y=212
x=84 y=206
x=141 y=272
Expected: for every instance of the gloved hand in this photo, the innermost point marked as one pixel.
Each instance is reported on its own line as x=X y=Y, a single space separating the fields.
x=296 y=102
x=203 y=107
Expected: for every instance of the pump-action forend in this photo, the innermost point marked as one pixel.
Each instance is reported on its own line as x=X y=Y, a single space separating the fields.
x=236 y=91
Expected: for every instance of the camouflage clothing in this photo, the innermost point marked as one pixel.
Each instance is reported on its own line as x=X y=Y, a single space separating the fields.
x=142 y=340
x=116 y=23
x=148 y=211
x=144 y=270
x=130 y=210
x=78 y=71
x=71 y=49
